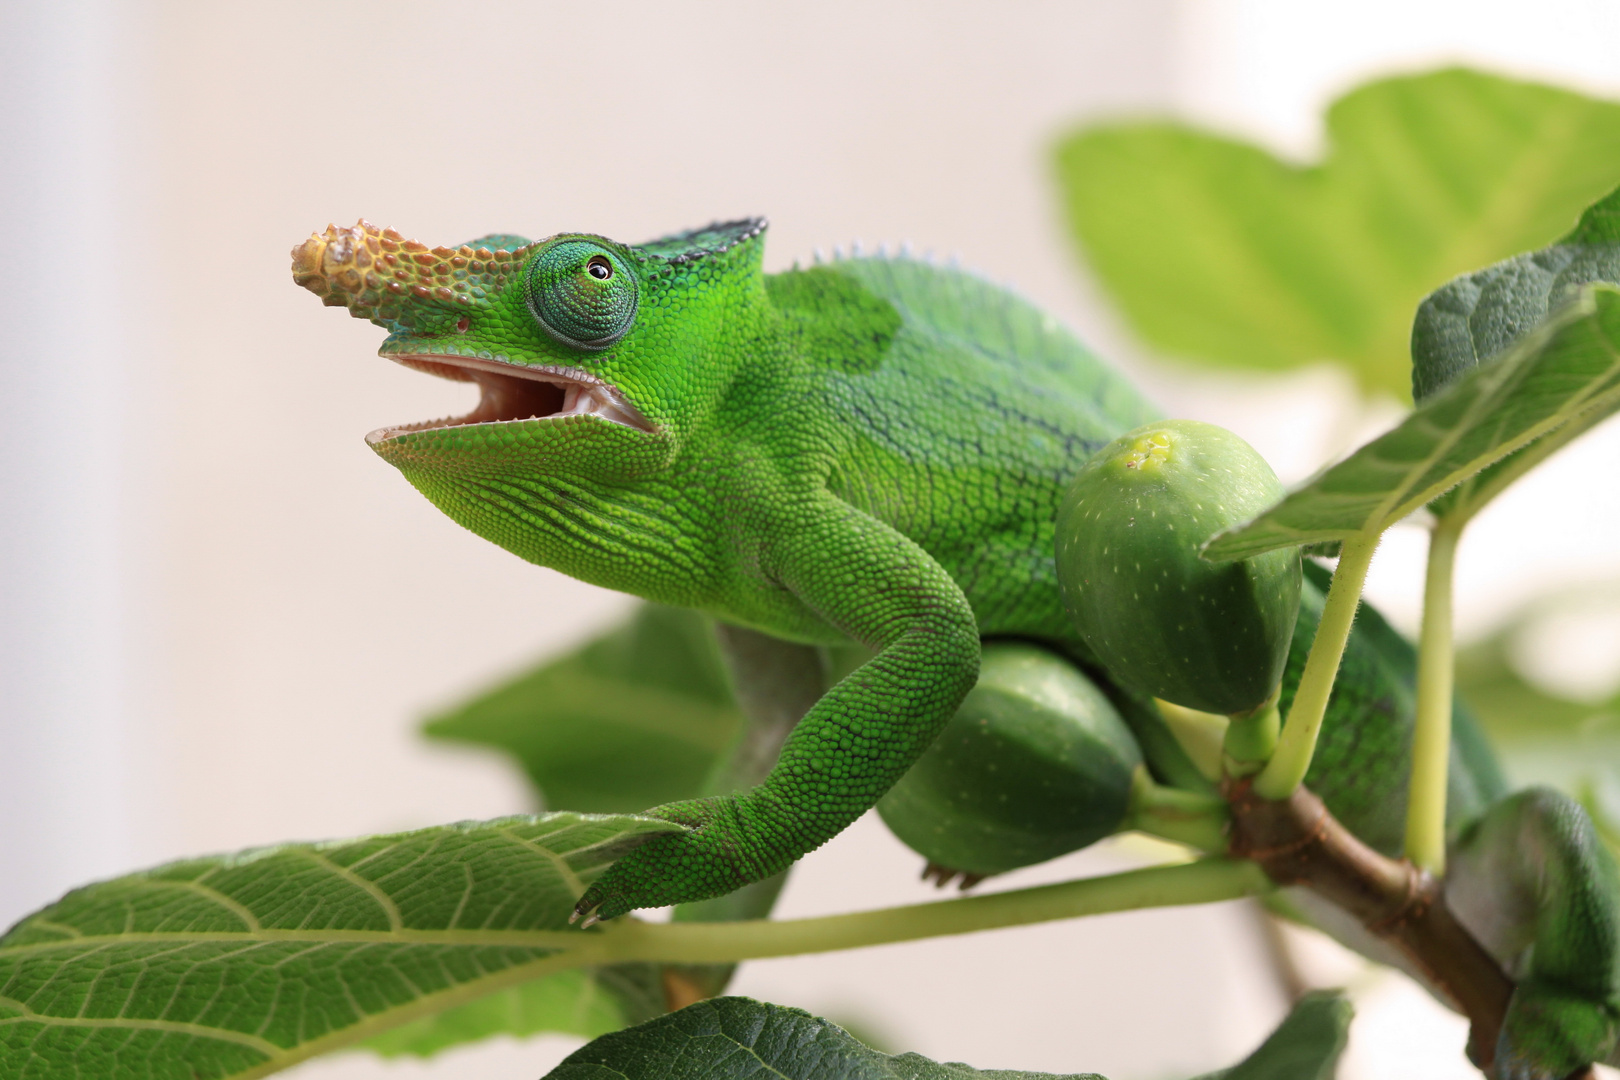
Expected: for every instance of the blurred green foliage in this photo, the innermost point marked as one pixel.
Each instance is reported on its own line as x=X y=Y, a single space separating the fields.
x=1221 y=253
x=632 y=719
x=1545 y=737
x=585 y=1001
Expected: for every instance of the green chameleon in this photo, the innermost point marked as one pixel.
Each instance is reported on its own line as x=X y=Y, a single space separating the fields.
x=871 y=450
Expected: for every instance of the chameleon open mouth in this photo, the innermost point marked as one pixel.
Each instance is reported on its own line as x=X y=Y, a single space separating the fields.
x=510 y=393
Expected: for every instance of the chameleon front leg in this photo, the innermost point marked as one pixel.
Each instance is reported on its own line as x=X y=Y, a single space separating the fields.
x=882 y=590
x=1535 y=884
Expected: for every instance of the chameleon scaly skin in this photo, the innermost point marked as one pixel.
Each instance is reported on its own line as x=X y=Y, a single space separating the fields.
x=1537 y=887
x=868 y=451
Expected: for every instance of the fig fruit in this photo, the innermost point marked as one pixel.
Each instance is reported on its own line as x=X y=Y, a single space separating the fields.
x=1036 y=763
x=1162 y=619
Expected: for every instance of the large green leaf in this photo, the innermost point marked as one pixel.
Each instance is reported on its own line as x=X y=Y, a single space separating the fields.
x=741 y=1039
x=635 y=718
x=1479 y=315
x=238 y=966
x=1218 y=251
x=1561 y=371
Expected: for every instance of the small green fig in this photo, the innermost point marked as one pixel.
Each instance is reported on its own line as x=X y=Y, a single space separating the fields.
x=1036 y=763
x=1162 y=619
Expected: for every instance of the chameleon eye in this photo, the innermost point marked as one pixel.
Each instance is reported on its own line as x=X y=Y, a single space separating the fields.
x=581 y=294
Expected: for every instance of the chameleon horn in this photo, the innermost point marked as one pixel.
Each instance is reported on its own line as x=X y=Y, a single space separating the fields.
x=379 y=275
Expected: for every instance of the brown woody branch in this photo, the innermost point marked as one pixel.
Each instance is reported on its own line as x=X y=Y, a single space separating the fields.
x=1298 y=842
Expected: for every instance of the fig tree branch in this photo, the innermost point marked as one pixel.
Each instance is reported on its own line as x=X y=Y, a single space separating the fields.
x=1296 y=841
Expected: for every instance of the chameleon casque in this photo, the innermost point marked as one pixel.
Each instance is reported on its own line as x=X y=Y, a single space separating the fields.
x=873 y=451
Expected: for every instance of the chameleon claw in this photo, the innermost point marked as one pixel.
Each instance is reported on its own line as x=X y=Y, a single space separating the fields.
x=942 y=876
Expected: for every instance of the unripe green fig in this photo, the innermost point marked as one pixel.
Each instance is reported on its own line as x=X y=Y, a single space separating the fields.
x=1163 y=620
x=1036 y=763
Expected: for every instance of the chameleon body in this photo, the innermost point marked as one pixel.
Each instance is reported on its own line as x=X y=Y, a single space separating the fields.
x=869 y=451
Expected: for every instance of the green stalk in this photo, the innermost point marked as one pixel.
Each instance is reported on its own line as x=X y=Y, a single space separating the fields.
x=1431 y=737
x=1186 y=817
x=1297 y=743
x=1202 y=882
x=1251 y=739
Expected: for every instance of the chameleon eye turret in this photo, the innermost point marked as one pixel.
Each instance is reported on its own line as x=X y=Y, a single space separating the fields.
x=581 y=294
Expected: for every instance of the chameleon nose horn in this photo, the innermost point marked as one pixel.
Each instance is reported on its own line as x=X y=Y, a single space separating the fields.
x=379 y=275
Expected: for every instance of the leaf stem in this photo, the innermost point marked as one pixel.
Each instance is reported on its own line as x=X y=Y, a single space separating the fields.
x=1431 y=736
x=1201 y=882
x=1297 y=743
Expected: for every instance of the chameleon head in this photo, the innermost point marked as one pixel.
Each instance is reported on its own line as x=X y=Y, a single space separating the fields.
x=596 y=361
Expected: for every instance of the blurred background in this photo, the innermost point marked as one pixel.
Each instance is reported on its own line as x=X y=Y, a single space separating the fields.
x=222 y=618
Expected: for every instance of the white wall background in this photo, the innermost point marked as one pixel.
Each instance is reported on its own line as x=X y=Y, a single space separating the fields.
x=221 y=616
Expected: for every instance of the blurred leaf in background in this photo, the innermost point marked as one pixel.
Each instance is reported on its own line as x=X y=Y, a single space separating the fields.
x=634 y=718
x=1546 y=736
x=1305 y=1046
x=1221 y=253
x=586 y=1001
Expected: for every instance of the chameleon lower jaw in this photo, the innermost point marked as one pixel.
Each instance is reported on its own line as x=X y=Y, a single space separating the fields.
x=510 y=394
